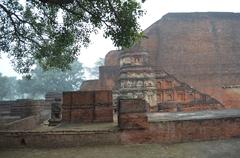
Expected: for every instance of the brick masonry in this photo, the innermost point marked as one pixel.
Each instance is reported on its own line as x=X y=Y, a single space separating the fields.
x=87 y=106
x=132 y=114
x=23 y=107
x=200 y=49
x=168 y=131
x=185 y=130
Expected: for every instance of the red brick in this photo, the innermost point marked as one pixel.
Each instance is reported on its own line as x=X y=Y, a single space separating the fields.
x=67 y=98
x=103 y=97
x=132 y=106
x=83 y=98
x=82 y=115
x=66 y=115
x=133 y=121
x=103 y=114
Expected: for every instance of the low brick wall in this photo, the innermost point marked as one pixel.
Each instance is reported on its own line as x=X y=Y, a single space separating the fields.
x=132 y=114
x=164 y=131
x=27 y=123
x=24 y=107
x=57 y=139
x=174 y=127
x=190 y=107
x=184 y=130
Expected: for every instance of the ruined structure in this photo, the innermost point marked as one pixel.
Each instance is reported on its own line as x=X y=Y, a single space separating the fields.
x=177 y=69
x=197 y=49
x=175 y=96
x=136 y=79
x=23 y=114
x=87 y=107
x=55 y=99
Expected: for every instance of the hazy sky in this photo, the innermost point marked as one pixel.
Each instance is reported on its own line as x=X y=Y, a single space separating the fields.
x=155 y=10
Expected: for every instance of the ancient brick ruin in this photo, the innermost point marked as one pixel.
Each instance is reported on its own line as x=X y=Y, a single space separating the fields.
x=162 y=91
x=175 y=96
x=173 y=86
x=23 y=114
x=199 y=50
x=136 y=79
x=87 y=106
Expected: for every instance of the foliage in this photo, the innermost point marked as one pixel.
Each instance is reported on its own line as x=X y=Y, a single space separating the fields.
x=94 y=72
x=51 y=32
x=3 y=86
x=42 y=82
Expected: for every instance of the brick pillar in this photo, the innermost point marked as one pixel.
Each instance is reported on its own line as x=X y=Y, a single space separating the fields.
x=132 y=114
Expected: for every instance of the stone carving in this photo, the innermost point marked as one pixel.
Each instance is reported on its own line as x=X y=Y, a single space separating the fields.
x=139 y=84
x=142 y=84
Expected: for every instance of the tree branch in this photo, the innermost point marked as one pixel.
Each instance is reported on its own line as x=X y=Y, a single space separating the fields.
x=9 y=13
x=57 y=1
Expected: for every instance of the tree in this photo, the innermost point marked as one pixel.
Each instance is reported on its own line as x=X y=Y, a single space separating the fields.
x=42 y=81
x=95 y=70
x=12 y=90
x=8 y=89
x=3 y=86
x=51 y=32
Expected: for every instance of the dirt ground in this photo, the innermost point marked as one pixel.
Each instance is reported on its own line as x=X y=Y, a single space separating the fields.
x=207 y=149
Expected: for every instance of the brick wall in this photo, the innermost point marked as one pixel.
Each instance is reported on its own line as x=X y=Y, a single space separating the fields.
x=158 y=132
x=185 y=130
x=24 y=107
x=132 y=114
x=27 y=123
x=57 y=139
x=87 y=106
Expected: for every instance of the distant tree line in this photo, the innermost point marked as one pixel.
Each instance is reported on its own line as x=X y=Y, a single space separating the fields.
x=40 y=82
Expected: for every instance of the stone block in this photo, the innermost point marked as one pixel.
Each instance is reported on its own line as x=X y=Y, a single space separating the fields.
x=132 y=106
x=133 y=121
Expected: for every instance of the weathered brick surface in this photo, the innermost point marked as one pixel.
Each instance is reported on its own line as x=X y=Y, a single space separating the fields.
x=84 y=115
x=160 y=132
x=132 y=106
x=87 y=106
x=132 y=121
x=67 y=98
x=57 y=139
x=182 y=131
x=200 y=49
x=83 y=98
x=66 y=115
x=189 y=107
x=102 y=97
x=103 y=114
x=132 y=114
x=23 y=107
